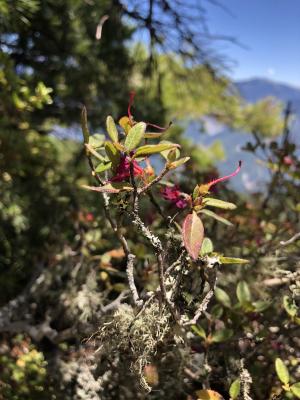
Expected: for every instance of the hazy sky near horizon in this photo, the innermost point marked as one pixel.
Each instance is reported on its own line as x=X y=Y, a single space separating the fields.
x=270 y=32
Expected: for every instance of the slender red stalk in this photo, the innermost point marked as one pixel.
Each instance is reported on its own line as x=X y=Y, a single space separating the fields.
x=161 y=128
x=224 y=178
x=130 y=104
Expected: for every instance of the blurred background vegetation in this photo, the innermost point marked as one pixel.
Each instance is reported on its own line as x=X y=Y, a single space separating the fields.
x=59 y=262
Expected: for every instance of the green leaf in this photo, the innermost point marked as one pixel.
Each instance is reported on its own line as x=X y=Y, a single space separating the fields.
x=221 y=335
x=153 y=135
x=209 y=201
x=216 y=311
x=173 y=155
x=193 y=233
x=135 y=135
x=222 y=297
x=170 y=153
x=114 y=187
x=295 y=388
x=113 y=154
x=103 y=166
x=216 y=216
x=96 y=140
x=152 y=149
x=282 y=371
x=188 y=297
x=243 y=293
x=91 y=150
x=178 y=163
x=207 y=247
x=233 y=260
x=234 y=389
x=196 y=192
x=84 y=125
x=261 y=305
x=199 y=331
x=112 y=129
x=290 y=306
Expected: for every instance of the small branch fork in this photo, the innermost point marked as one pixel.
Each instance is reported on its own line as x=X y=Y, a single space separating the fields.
x=291 y=240
x=212 y=281
x=159 y=177
x=154 y=240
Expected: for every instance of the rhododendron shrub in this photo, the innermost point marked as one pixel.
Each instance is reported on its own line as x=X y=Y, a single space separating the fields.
x=183 y=256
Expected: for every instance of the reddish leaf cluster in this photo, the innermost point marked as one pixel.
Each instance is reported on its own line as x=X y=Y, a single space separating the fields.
x=123 y=170
x=175 y=196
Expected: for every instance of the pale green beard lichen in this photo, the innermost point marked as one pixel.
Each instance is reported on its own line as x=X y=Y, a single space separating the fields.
x=138 y=336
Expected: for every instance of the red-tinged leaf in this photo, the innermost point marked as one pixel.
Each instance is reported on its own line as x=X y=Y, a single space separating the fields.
x=193 y=234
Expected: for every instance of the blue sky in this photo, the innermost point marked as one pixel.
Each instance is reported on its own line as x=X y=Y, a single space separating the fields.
x=270 y=29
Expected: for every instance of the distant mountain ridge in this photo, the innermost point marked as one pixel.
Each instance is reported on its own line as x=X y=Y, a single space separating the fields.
x=253 y=176
x=257 y=88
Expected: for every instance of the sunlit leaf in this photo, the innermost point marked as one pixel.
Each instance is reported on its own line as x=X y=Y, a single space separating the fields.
x=222 y=297
x=97 y=140
x=234 y=389
x=199 y=331
x=221 y=335
x=295 y=389
x=152 y=149
x=113 y=187
x=282 y=371
x=170 y=154
x=119 y=146
x=243 y=293
x=215 y=216
x=153 y=135
x=207 y=247
x=193 y=233
x=233 y=260
x=178 y=163
x=208 y=394
x=261 y=305
x=91 y=150
x=103 y=166
x=112 y=129
x=173 y=155
x=211 y=202
x=112 y=153
x=290 y=306
x=134 y=136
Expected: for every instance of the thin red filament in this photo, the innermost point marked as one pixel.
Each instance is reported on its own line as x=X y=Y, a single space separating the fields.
x=224 y=178
x=161 y=128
